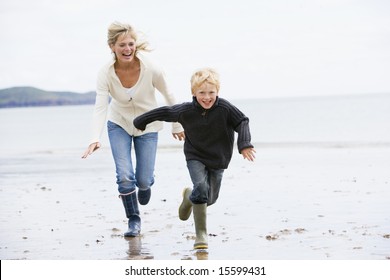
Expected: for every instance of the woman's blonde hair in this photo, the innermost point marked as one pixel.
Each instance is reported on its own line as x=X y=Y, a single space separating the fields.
x=204 y=75
x=117 y=29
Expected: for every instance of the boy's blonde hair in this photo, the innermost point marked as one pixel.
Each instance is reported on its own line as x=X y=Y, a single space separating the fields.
x=204 y=75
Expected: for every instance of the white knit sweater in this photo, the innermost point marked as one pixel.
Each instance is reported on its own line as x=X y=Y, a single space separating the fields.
x=123 y=108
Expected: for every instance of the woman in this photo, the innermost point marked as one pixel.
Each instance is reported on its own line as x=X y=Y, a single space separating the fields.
x=129 y=80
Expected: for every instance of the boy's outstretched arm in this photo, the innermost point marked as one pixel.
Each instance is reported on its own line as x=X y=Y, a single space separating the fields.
x=244 y=140
x=165 y=113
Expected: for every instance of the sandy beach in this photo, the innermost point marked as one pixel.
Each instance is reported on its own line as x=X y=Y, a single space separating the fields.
x=296 y=202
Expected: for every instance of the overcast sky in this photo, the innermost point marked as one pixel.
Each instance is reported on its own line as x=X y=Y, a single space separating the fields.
x=262 y=48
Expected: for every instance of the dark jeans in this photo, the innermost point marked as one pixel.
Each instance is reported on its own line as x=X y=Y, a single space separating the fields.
x=207 y=182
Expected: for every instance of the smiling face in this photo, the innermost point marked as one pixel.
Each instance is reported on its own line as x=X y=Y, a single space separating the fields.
x=124 y=48
x=206 y=94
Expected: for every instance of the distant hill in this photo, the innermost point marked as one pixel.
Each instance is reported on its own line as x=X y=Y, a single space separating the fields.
x=30 y=96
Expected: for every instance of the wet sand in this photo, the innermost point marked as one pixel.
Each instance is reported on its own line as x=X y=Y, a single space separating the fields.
x=296 y=202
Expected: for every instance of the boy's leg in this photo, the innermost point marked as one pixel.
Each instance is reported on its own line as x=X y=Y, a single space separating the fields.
x=199 y=178
x=215 y=179
x=200 y=219
x=186 y=205
x=199 y=197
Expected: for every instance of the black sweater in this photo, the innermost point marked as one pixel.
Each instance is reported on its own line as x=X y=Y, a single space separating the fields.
x=209 y=133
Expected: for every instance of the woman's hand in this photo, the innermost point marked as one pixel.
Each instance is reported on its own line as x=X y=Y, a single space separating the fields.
x=248 y=153
x=91 y=148
x=179 y=136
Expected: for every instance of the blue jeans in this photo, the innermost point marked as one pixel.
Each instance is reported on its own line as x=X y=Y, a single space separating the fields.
x=207 y=182
x=145 y=147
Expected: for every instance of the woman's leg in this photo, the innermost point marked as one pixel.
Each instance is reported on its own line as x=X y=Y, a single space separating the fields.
x=120 y=142
x=145 y=150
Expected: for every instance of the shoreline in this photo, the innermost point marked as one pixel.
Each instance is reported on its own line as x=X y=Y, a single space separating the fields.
x=179 y=147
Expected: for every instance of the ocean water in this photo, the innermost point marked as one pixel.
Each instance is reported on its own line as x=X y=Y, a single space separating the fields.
x=360 y=119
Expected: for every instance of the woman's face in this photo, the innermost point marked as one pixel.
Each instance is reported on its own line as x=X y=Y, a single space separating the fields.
x=124 y=48
x=206 y=95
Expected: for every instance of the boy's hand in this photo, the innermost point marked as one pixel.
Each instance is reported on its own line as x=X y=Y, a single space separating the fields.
x=248 y=153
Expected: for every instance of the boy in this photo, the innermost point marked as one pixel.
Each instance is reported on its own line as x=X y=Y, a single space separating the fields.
x=209 y=123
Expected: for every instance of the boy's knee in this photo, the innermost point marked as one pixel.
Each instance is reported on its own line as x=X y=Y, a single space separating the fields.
x=199 y=195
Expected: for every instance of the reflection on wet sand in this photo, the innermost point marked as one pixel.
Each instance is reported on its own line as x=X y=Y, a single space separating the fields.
x=136 y=250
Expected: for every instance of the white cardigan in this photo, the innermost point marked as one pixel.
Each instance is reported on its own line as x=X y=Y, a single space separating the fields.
x=123 y=108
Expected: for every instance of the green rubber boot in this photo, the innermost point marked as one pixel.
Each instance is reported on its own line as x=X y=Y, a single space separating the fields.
x=185 y=208
x=200 y=218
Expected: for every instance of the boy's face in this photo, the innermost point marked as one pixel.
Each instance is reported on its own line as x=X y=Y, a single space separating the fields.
x=206 y=95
